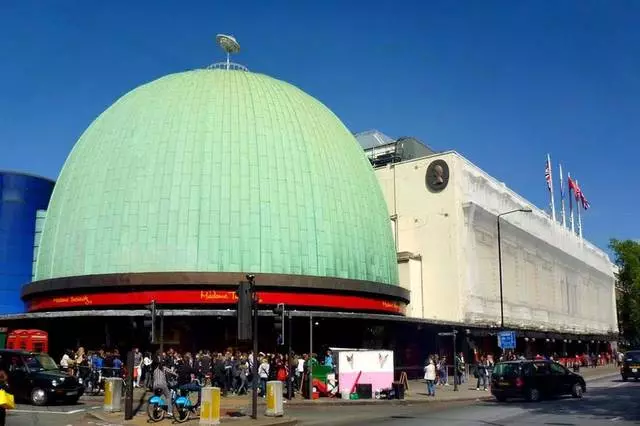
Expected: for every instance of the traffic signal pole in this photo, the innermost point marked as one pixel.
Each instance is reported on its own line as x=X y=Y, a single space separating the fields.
x=128 y=397
x=254 y=372
x=290 y=358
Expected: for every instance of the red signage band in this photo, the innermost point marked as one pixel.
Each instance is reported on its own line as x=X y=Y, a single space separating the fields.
x=215 y=297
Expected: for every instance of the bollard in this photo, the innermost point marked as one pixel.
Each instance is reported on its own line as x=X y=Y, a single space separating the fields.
x=210 y=406
x=274 y=399
x=112 y=394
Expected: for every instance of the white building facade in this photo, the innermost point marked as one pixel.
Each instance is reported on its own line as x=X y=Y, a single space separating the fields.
x=444 y=220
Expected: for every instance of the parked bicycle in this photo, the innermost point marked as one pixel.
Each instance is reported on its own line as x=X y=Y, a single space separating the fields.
x=157 y=407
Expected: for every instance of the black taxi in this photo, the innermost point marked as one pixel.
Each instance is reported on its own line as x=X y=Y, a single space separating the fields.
x=534 y=380
x=35 y=377
x=630 y=365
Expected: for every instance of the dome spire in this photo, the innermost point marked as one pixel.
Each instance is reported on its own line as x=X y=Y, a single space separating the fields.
x=230 y=45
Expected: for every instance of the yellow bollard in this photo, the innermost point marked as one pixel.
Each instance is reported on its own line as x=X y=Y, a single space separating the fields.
x=274 y=398
x=112 y=394
x=210 y=406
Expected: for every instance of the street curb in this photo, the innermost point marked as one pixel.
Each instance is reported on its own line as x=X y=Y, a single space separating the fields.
x=228 y=420
x=392 y=402
x=98 y=416
x=401 y=402
x=348 y=403
x=602 y=376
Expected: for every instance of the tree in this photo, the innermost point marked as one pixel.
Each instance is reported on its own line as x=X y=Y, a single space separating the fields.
x=627 y=259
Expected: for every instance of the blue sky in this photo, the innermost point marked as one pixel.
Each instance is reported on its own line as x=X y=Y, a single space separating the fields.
x=502 y=82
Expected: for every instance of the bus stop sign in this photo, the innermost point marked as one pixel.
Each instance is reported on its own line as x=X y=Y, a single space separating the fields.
x=507 y=339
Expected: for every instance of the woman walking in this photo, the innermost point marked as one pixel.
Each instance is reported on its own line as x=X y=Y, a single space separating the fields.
x=482 y=373
x=430 y=377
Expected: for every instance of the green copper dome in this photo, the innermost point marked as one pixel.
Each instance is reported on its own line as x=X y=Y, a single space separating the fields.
x=218 y=171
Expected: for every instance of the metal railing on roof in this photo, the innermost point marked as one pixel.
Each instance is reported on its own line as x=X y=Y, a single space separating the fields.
x=227 y=66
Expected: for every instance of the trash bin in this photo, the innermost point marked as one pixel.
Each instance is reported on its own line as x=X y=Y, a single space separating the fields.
x=274 y=399
x=398 y=390
x=112 y=394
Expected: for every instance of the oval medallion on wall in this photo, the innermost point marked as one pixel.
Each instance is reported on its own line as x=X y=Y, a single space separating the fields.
x=437 y=176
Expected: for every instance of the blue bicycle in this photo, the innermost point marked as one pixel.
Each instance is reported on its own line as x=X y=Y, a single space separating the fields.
x=183 y=407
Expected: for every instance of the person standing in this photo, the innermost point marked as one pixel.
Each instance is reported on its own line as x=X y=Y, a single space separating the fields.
x=65 y=362
x=263 y=374
x=186 y=375
x=459 y=370
x=430 y=377
x=481 y=371
x=160 y=383
x=147 y=371
x=137 y=367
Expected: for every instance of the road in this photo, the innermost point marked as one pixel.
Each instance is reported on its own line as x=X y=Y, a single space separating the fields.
x=54 y=415
x=608 y=401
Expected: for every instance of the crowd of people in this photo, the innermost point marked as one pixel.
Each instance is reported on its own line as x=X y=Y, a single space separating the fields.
x=230 y=370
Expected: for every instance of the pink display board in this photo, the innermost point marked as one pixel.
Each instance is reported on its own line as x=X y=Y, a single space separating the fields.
x=367 y=367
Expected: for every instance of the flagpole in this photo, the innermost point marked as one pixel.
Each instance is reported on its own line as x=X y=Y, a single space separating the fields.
x=564 y=216
x=578 y=202
x=573 y=229
x=553 y=203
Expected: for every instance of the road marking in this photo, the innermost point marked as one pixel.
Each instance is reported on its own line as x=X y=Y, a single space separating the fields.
x=617 y=385
x=615 y=419
x=47 y=412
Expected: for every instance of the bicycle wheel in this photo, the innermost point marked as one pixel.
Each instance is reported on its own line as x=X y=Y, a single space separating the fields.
x=155 y=412
x=181 y=413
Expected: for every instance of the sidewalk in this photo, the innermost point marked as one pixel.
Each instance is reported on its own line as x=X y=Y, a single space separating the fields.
x=235 y=409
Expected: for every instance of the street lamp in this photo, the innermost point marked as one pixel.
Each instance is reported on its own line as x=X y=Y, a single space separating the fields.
x=523 y=210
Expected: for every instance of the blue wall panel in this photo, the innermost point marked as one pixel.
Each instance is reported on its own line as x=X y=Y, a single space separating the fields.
x=20 y=197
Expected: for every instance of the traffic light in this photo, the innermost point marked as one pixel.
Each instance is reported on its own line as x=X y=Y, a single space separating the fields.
x=151 y=323
x=278 y=324
x=245 y=305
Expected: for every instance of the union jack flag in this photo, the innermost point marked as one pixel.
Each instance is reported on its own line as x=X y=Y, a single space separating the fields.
x=585 y=202
x=580 y=197
x=547 y=174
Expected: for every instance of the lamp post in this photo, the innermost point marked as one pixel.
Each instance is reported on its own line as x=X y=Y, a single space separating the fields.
x=523 y=210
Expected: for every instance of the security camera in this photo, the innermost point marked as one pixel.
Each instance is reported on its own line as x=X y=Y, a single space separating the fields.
x=250 y=277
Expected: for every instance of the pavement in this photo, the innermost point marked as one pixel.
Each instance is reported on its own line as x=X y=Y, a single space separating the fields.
x=234 y=409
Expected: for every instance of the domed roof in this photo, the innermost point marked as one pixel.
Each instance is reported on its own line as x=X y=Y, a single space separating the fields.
x=218 y=171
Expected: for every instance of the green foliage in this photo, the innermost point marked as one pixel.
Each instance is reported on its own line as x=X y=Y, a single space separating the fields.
x=627 y=258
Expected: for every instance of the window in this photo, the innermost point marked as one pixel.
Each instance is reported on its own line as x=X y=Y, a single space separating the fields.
x=40 y=362
x=541 y=368
x=558 y=370
x=506 y=370
x=632 y=357
x=16 y=364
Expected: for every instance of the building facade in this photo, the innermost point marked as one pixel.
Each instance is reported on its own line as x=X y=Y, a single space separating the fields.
x=444 y=219
x=21 y=196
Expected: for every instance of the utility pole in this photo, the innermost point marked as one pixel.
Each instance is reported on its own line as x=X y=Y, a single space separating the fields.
x=455 y=362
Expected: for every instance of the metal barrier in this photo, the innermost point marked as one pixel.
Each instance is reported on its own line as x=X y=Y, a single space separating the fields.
x=416 y=372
